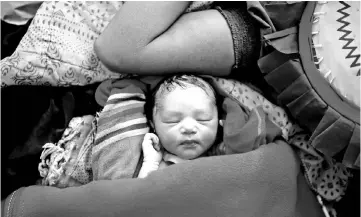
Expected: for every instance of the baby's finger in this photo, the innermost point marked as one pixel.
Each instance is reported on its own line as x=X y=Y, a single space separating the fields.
x=156 y=143
x=156 y=146
x=153 y=137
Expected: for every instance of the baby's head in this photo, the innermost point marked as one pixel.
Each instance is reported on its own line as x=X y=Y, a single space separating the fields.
x=183 y=112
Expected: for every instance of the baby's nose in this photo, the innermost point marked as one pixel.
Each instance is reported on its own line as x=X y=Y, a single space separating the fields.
x=188 y=130
x=188 y=126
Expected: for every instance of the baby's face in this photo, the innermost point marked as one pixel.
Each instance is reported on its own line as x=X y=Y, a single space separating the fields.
x=186 y=122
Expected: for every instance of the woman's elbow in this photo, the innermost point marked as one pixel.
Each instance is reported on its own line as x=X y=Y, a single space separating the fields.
x=114 y=60
x=104 y=55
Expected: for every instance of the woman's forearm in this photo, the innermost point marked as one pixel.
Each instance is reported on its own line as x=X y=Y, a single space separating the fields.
x=134 y=26
x=268 y=173
x=197 y=42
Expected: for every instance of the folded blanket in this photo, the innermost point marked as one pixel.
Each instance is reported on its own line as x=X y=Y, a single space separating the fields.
x=263 y=182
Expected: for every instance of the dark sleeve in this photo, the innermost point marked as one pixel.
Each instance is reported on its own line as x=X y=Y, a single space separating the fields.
x=245 y=34
x=250 y=40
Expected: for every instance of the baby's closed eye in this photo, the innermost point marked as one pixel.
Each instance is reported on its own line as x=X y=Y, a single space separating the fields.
x=204 y=117
x=171 y=121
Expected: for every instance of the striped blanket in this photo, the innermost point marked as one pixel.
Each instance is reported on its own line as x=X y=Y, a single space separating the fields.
x=120 y=131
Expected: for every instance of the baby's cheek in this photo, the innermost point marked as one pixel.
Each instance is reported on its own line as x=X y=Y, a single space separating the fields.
x=214 y=127
x=210 y=135
x=166 y=139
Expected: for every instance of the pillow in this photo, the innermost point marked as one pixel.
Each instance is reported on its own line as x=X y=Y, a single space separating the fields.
x=57 y=50
x=336 y=36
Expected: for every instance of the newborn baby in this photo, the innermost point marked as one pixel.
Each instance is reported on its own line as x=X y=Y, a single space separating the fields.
x=184 y=116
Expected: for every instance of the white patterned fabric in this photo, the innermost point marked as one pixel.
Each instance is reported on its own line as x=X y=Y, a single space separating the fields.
x=57 y=49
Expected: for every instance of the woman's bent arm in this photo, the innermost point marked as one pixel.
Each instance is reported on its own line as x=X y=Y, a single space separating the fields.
x=148 y=39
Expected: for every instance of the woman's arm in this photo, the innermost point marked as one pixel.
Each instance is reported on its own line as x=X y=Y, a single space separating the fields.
x=133 y=27
x=262 y=182
x=147 y=38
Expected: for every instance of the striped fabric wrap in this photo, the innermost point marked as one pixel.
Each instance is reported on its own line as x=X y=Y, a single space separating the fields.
x=121 y=127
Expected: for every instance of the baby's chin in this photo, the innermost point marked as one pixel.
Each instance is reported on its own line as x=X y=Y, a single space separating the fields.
x=189 y=154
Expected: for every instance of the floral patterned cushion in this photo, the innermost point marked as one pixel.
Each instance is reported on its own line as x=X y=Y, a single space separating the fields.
x=57 y=49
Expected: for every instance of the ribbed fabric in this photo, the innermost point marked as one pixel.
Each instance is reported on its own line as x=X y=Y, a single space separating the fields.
x=245 y=35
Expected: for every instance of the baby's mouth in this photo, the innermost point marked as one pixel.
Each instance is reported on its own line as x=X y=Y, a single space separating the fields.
x=189 y=143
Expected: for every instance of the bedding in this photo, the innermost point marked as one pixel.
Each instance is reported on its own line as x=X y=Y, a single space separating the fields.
x=319 y=169
x=57 y=49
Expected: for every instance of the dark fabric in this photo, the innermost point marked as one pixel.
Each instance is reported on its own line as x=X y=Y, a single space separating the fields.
x=349 y=205
x=245 y=33
x=11 y=36
x=332 y=123
x=30 y=117
x=284 y=14
x=245 y=131
x=279 y=39
x=102 y=93
x=331 y=133
x=272 y=16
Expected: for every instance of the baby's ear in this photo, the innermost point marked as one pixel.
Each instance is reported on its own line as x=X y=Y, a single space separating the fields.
x=221 y=122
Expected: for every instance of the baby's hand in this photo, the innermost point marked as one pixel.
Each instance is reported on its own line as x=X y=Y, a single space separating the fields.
x=151 y=148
